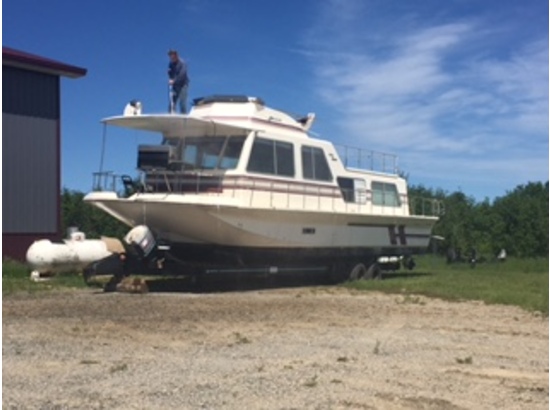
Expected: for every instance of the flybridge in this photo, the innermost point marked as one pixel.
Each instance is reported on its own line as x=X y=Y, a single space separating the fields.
x=238 y=115
x=239 y=108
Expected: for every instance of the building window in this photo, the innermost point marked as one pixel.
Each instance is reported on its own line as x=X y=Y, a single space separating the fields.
x=271 y=157
x=315 y=165
x=385 y=194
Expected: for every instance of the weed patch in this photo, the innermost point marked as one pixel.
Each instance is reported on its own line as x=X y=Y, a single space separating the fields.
x=311 y=382
x=376 y=349
x=89 y=361
x=118 y=368
x=240 y=339
x=466 y=360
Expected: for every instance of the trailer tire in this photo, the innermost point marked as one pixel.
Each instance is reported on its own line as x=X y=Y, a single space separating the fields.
x=357 y=272
x=374 y=272
x=409 y=263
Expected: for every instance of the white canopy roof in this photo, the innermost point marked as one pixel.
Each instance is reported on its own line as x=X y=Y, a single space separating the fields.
x=176 y=125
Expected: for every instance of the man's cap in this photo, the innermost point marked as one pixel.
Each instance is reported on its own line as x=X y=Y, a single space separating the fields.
x=172 y=51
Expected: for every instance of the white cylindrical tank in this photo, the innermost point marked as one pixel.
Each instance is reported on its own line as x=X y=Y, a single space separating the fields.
x=45 y=256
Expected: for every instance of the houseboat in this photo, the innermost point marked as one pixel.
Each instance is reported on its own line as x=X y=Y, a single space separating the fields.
x=238 y=186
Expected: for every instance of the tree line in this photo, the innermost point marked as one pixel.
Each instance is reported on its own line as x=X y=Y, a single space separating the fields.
x=517 y=221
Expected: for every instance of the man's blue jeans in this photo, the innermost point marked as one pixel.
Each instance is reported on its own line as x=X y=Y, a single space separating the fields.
x=180 y=97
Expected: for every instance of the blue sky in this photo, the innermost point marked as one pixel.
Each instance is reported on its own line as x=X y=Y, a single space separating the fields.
x=457 y=89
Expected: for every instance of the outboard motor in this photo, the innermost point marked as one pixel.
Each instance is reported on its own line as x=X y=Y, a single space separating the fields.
x=138 y=254
x=142 y=240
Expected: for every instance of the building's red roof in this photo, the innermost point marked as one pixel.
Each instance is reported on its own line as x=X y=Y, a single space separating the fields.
x=17 y=58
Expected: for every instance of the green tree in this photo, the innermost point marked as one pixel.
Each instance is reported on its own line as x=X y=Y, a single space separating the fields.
x=517 y=222
x=456 y=223
x=484 y=225
x=523 y=229
x=89 y=219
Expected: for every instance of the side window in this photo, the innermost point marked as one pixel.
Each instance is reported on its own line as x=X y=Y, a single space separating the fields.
x=385 y=194
x=189 y=156
x=346 y=187
x=271 y=157
x=210 y=153
x=201 y=153
x=261 y=157
x=353 y=190
x=284 y=159
x=314 y=164
x=231 y=153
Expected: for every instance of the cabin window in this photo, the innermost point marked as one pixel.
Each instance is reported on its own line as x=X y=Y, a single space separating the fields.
x=211 y=152
x=271 y=157
x=385 y=194
x=353 y=190
x=315 y=165
x=231 y=153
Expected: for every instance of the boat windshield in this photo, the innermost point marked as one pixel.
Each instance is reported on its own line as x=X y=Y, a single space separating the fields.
x=211 y=152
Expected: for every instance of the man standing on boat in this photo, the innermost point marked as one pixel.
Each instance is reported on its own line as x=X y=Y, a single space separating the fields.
x=178 y=81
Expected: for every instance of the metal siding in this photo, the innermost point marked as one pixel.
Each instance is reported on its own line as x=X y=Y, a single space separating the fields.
x=30 y=184
x=30 y=93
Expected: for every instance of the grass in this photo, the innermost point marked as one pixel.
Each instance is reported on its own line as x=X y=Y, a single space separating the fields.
x=520 y=282
x=523 y=283
x=16 y=278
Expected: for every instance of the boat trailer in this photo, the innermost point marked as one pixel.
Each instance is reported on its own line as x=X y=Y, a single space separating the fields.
x=140 y=254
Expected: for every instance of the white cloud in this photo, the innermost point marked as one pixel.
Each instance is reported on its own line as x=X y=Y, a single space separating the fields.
x=428 y=92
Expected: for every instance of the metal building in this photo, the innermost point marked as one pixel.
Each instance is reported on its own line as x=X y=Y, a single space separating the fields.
x=31 y=168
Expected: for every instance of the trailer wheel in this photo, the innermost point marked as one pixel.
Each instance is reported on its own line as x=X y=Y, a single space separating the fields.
x=374 y=272
x=357 y=272
x=409 y=263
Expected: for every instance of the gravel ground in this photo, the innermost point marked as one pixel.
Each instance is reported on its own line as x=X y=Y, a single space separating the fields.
x=299 y=348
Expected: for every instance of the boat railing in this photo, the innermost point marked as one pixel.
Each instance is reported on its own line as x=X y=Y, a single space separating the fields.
x=274 y=194
x=156 y=181
x=370 y=160
x=423 y=206
x=105 y=181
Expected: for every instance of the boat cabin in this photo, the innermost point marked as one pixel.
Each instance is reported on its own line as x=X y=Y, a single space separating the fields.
x=238 y=147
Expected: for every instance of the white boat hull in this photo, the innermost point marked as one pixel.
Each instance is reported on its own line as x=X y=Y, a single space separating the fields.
x=183 y=220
